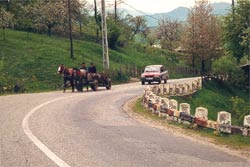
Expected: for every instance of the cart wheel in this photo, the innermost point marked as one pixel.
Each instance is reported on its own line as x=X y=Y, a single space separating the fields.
x=94 y=86
x=109 y=84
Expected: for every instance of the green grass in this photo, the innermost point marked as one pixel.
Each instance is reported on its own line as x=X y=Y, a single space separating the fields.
x=32 y=60
x=140 y=109
x=230 y=140
x=216 y=97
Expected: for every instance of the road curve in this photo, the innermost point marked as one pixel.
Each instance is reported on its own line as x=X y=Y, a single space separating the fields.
x=90 y=129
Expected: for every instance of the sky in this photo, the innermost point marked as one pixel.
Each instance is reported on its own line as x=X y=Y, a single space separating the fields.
x=157 y=6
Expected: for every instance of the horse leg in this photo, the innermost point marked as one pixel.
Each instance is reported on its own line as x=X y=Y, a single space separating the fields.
x=72 y=85
x=64 y=84
x=80 y=85
x=87 y=86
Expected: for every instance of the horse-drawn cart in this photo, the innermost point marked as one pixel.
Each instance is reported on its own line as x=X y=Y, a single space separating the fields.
x=96 y=80
x=80 y=77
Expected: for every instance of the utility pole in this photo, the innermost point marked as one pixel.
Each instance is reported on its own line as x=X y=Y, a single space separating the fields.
x=8 y=6
x=104 y=38
x=233 y=6
x=115 y=10
x=70 y=31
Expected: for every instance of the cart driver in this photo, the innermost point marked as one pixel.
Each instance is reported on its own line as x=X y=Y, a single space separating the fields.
x=83 y=67
x=92 y=68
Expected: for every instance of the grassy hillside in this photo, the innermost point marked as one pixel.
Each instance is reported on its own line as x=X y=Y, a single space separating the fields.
x=31 y=59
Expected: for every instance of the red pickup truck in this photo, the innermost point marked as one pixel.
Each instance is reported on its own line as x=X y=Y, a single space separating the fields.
x=154 y=73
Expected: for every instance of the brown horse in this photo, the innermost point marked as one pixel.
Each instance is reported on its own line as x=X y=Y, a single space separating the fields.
x=68 y=75
x=73 y=75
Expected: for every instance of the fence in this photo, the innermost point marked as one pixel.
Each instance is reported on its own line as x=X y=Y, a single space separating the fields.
x=170 y=109
x=134 y=71
x=121 y=74
x=184 y=70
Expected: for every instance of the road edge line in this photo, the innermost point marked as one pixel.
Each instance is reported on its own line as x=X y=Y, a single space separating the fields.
x=36 y=141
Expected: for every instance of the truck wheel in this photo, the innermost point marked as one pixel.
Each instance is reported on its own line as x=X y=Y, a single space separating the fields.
x=142 y=82
x=165 y=80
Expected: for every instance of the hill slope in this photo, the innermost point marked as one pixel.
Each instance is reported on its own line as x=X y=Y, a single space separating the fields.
x=181 y=13
x=32 y=61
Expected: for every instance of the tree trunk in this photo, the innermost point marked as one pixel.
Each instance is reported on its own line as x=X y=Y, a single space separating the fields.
x=4 y=38
x=115 y=11
x=28 y=32
x=80 y=28
x=132 y=37
x=70 y=32
x=203 y=68
x=97 y=35
x=193 y=61
x=96 y=20
x=49 y=30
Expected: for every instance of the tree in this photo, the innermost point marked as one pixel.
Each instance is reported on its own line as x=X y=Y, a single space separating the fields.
x=236 y=28
x=227 y=66
x=201 y=38
x=5 y=20
x=79 y=12
x=240 y=108
x=138 y=25
x=119 y=30
x=97 y=21
x=21 y=14
x=113 y=32
x=152 y=37
x=49 y=14
x=25 y=20
x=125 y=29
x=5 y=4
x=169 y=33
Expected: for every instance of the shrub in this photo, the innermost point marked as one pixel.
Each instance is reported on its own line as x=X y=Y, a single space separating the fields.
x=227 y=66
x=240 y=108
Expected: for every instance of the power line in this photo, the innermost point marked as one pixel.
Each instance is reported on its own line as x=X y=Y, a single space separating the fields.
x=138 y=10
x=111 y=4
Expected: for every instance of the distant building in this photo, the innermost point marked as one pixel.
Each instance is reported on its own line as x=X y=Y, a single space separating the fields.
x=157 y=46
x=180 y=49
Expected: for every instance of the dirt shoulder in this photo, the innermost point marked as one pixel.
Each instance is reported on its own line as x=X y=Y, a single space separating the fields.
x=178 y=131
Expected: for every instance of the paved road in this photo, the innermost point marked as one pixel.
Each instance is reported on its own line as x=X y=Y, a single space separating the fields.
x=90 y=129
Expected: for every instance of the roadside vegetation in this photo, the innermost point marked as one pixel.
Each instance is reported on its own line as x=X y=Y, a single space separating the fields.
x=214 y=103
x=216 y=96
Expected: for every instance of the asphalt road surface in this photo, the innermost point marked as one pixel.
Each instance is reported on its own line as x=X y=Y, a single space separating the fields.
x=90 y=129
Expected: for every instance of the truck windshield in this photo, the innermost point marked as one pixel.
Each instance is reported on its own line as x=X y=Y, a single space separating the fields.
x=152 y=69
